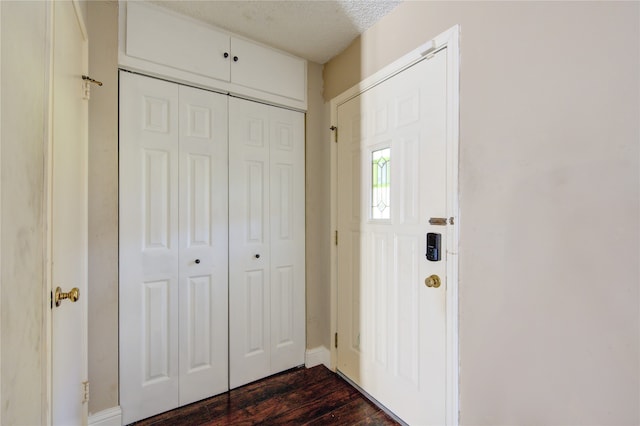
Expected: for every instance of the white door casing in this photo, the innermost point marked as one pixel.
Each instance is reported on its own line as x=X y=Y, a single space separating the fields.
x=398 y=338
x=173 y=245
x=68 y=214
x=266 y=234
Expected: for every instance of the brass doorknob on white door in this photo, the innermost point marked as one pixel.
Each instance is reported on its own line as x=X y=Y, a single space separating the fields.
x=59 y=295
x=432 y=281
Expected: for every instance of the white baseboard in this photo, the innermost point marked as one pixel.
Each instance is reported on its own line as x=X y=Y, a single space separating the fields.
x=317 y=356
x=109 y=417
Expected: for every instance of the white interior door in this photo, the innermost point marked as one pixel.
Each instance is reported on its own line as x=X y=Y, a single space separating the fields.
x=392 y=180
x=69 y=215
x=203 y=238
x=173 y=245
x=149 y=246
x=266 y=241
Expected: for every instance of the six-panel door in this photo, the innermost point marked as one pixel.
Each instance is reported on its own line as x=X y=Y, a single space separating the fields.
x=173 y=245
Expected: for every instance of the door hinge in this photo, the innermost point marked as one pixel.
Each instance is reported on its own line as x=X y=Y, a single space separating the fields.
x=336 y=340
x=86 y=90
x=334 y=129
x=86 y=86
x=336 y=237
x=85 y=392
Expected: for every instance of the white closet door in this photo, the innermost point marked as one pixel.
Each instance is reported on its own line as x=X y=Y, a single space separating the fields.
x=249 y=280
x=266 y=241
x=149 y=246
x=203 y=266
x=173 y=245
x=287 y=262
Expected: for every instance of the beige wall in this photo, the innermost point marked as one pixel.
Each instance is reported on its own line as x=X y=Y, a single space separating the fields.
x=102 y=26
x=318 y=239
x=549 y=192
x=23 y=123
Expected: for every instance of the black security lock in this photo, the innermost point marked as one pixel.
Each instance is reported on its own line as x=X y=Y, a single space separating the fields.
x=433 y=246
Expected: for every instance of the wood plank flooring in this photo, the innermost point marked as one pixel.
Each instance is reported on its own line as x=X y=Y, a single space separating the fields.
x=301 y=396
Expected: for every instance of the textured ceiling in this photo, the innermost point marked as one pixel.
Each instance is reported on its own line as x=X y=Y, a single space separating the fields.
x=316 y=30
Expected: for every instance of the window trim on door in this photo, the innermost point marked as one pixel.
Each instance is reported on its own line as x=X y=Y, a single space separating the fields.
x=450 y=40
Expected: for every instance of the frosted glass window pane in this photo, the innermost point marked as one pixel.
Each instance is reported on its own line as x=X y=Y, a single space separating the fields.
x=381 y=184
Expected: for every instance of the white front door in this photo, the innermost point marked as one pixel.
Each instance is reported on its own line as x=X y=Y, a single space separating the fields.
x=391 y=181
x=266 y=241
x=173 y=245
x=69 y=215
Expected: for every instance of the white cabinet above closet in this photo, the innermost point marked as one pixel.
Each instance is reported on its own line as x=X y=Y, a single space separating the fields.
x=160 y=42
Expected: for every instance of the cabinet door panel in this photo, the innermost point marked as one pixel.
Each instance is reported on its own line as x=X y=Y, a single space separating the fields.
x=161 y=37
x=203 y=244
x=267 y=70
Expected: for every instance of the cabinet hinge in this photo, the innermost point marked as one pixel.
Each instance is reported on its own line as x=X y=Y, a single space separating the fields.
x=336 y=340
x=334 y=129
x=336 y=237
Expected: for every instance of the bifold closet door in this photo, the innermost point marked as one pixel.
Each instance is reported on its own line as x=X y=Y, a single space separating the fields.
x=204 y=239
x=266 y=240
x=173 y=245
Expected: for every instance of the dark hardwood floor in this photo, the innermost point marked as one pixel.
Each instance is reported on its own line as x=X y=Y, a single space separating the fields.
x=301 y=396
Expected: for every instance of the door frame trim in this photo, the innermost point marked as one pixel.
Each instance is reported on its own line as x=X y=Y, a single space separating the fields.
x=450 y=40
x=47 y=326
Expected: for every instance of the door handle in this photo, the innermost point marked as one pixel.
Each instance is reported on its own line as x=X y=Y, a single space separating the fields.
x=432 y=281
x=59 y=296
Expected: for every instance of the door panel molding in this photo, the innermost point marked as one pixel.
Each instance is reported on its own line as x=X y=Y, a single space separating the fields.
x=447 y=40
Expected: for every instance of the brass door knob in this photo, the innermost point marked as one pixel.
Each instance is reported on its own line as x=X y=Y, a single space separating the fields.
x=59 y=296
x=432 y=281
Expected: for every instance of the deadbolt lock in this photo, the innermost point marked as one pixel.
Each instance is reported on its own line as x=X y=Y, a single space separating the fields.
x=432 y=281
x=59 y=296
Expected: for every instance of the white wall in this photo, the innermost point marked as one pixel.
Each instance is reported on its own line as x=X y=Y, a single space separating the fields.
x=24 y=40
x=550 y=201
